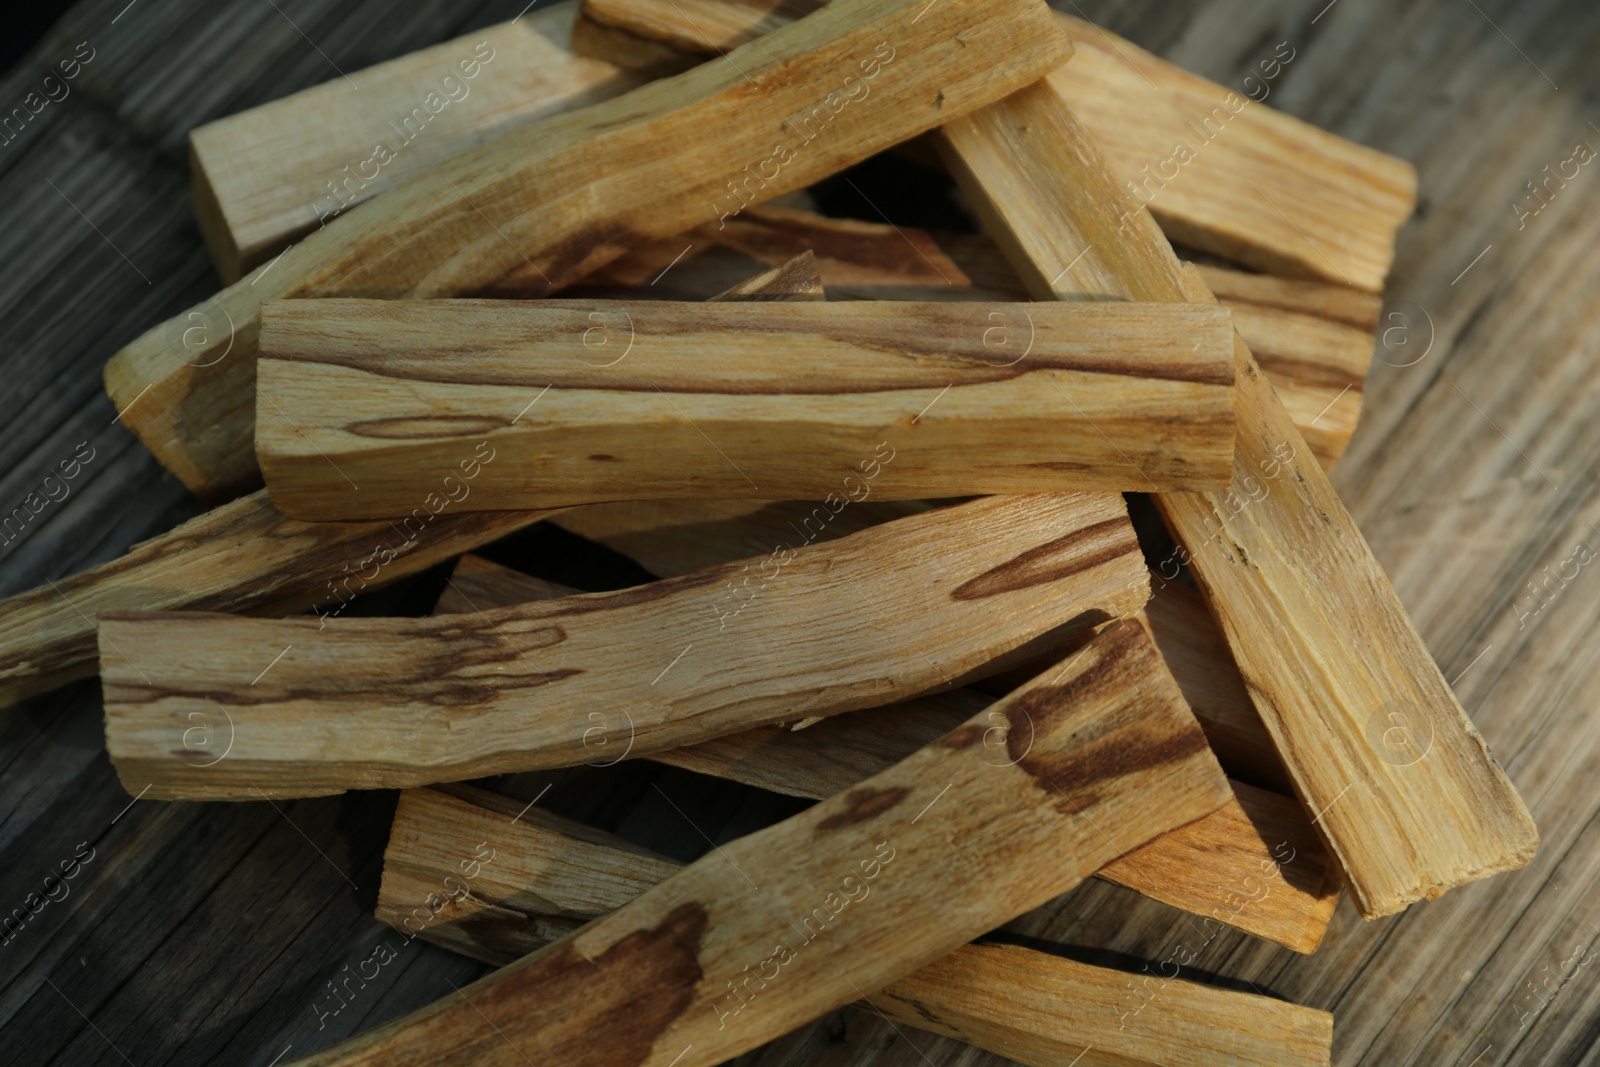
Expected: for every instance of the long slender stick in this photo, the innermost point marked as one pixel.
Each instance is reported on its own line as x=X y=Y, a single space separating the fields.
x=1255 y=863
x=546 y=876
x=364 y=404
x=378 y=703
x=768 y=932
x=245 y=557
x=556 y=198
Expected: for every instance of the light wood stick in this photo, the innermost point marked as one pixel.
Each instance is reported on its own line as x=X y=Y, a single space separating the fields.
x=1220 y=172
x=265 y=177
x=542 y=204
x=359 y=411
x=548 y=875
x=245 y=557
x=1313 y=339
x=241 y=557
x=379 y=703
x=1255 y=863
x=669 y=538
x=1327 y=651
x=938 y=849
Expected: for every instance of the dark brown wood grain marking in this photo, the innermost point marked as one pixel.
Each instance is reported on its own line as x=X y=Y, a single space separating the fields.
x=1069 y=767
x=863 y=804
x=639 y=986
x=1054 y=560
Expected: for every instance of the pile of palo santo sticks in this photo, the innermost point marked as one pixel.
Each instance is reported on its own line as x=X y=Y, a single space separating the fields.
x=955 y=644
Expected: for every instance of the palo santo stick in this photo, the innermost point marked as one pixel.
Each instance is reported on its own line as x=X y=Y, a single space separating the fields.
x=1327 y=651
x=931 y=853
x=1313 y=339
x=673 y=537
x=265 y=177
x=1220 y=172
x=548 y=875
x=245 y=557
x=358 y=405
x=1046 y=1011
x=546 y=202
x=239 y=557
x=1255 y=863
x=380 y=703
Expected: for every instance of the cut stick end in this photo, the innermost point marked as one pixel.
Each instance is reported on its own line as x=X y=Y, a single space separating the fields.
x=1521 y=844
x=798 y=279
x=214 y=226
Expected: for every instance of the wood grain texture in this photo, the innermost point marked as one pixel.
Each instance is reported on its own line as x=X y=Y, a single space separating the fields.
x=669 y=538
x=1255 y=864
x=1314 y=339
x=1027 y=1005
x=245 y=557
x=557 y=197
x=378 y=703
x=363 y=405
x=242 y=557
x=267 y=176
x=1328 y=653
x=1233 y=177
x=1220 y=172
x=1041 y=1010
x=1114 y=759
x=1457 y=517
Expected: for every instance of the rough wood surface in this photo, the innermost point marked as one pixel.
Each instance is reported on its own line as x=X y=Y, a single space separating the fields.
x=1041 y=1010
x=1219 y=171
x=245 y=557
x=364 y=405
x=1112 y=758
x=669 y=538
x=1313 y=339
x=265 y=177
x=242 y=557
x=1255 y=863
x=161 y=963
x=557 y=197
x=301 y=708
x=1326 y=648
x=550 y=874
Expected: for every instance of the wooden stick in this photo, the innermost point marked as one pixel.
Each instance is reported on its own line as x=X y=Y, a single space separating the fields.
x=1220 y=172
x=380 y=703
x=1330 y=657
x=553 y=199
x=673 y=537
x=359 y=412
x=244 y=557
x=549 y=875
x=1255 y=863
x=1313 y=339
x=241 y=557
x=266 y=177
x=774 y=930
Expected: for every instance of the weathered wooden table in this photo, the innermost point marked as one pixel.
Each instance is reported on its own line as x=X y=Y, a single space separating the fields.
x=209 y=933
